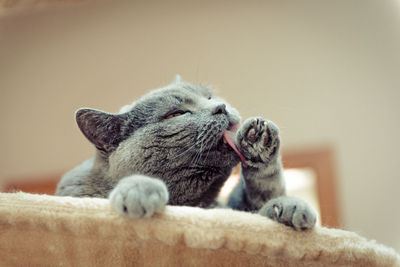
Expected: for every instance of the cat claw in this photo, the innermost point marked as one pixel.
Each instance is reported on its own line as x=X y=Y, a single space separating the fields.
x=277 y=211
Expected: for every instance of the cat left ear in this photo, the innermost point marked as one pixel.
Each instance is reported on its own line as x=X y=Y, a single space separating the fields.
x=177 y=79
x=102 y=129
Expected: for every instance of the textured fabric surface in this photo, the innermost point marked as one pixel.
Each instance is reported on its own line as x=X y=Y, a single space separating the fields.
x=42 y=230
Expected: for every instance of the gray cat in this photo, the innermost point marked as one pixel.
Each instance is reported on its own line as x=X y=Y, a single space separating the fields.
x=177 y=145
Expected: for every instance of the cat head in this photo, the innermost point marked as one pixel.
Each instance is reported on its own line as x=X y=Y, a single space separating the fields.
x=174 y=133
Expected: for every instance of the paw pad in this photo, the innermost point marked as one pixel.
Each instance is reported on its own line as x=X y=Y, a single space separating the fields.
x=258 y=140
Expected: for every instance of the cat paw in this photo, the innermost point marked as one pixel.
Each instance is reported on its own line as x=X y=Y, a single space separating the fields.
x=139 y=196
x=290 y=211
x=258 y=140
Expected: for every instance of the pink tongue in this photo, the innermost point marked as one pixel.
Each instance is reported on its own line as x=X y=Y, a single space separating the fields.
x=229 y=136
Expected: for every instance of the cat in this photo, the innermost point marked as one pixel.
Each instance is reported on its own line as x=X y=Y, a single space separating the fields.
x=177 y=145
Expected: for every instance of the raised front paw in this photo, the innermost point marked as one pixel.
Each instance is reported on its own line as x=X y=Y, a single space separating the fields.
x=139 y=196
x=290 y=211
x=258 y=140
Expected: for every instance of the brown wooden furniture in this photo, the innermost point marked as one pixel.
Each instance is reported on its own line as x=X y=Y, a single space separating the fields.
x=321 y=161
x=40 y=185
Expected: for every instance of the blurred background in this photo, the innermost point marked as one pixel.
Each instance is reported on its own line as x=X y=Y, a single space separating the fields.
x=327 y=72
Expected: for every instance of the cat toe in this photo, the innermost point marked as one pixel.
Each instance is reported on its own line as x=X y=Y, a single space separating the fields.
x=304 y=219
x=139 y=196
x=255 y=129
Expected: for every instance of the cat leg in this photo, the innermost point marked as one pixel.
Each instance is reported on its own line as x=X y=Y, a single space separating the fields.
x=139 y=196
x=263 y=187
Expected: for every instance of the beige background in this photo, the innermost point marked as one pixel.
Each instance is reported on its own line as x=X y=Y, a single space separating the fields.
x=326 y=72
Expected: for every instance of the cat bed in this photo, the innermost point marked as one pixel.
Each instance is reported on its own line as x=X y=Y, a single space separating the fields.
x=43 y=230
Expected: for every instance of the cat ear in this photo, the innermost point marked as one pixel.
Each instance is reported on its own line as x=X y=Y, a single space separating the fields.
x=102 y=129
x=177 y=79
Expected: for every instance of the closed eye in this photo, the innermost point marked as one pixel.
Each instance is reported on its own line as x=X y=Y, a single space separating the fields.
x=175 y=113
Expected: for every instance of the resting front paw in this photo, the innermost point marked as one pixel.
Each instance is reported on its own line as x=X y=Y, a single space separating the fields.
x=258 y=140
x=139 y=196
x=290 y=211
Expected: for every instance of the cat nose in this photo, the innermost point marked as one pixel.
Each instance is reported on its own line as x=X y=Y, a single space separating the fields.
x=220 y=109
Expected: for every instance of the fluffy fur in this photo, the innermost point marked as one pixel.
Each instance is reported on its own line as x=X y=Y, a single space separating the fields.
x=42 y=230
x=177 y=145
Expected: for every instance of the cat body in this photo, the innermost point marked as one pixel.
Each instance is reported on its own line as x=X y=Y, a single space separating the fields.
x=177 y=145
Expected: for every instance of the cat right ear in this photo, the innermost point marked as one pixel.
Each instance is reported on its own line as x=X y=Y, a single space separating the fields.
x=177 y=79
x=102 y=129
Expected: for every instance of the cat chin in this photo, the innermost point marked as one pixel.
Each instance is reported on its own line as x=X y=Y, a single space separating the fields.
x=223 y=155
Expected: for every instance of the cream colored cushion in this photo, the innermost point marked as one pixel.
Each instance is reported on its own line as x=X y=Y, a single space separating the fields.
x=42 y=230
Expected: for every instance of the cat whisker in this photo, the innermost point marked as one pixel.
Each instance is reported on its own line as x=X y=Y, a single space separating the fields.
x=198 y=154
x=199 y=139
x=208 y=151
x=202 y=142
x=188 y=148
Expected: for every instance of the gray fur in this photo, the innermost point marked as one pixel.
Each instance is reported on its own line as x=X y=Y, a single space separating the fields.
x=167 y=147
x=262 y=187
x=139 y=196
x=290 y=211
